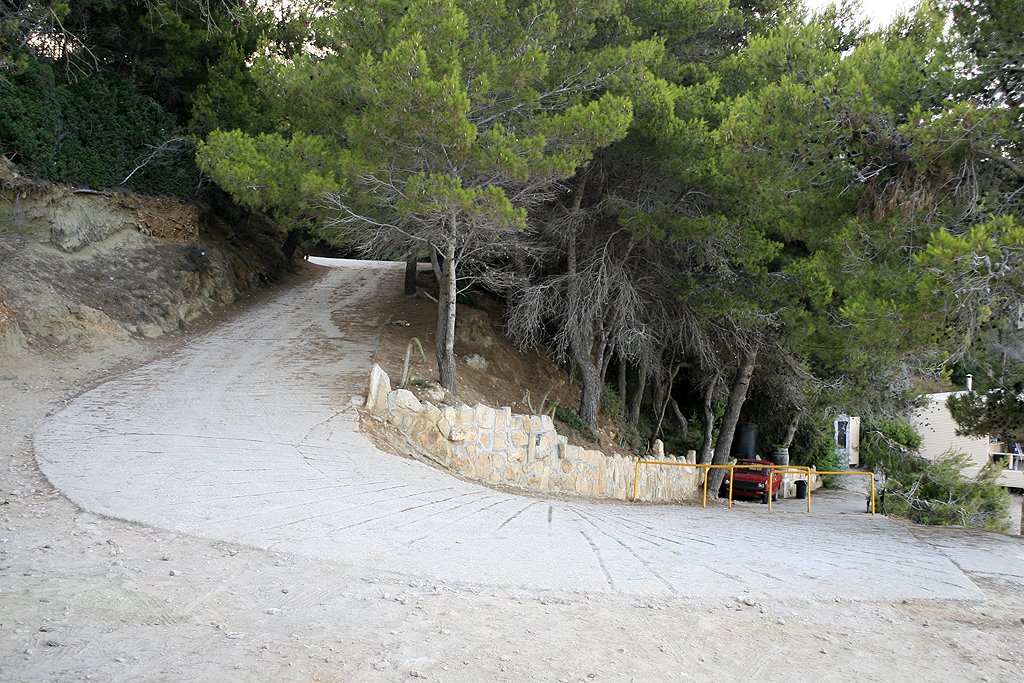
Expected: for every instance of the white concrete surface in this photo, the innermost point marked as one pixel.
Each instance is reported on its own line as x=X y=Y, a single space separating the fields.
x=248 y=436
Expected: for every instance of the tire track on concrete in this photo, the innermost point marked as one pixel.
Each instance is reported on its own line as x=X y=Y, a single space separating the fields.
x=643 y=561
x=480 y=496
x=513 y=517
x=456 y=521
x=399 y=512
x=329 y=513
x=600 y=560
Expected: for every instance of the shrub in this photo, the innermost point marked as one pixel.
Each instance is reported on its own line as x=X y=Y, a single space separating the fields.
x=885 y=436
x=573 y=420
x=611 y=406
x=940 y=492
x=92 y=132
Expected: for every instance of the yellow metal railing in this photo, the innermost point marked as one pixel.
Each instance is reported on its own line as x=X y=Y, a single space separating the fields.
x=784 y=469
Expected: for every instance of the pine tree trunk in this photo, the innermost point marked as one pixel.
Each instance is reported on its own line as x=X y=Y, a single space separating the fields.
x=291 y=243
x=590 y=369
x=709 y=422
x=737 y=396
x=435 y=265
x=665 y=399
x=444 y=344
x=590 y=397
x=638 y=395
x=410 y=272
x=622 y=382
x=791 y=428
x=684 y=424
x=605 y=364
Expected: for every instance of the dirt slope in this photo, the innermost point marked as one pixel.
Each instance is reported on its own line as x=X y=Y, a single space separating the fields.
x=77 y=268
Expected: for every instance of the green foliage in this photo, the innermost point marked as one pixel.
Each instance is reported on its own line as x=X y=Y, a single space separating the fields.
x=940 y=492
x=991 y=34
x=572 y=419
x=468 y=298
x=229 y=99
x=93 y=132
x=1000 y=412
x=611 y=405
x=886 y=438
x=270 y=172
x=634 y=440
x=899 y=431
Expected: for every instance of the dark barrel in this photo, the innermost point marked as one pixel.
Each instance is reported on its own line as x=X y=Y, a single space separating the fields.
x=744 y=444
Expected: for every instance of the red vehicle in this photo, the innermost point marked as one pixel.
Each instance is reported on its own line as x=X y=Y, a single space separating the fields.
x=757 y=483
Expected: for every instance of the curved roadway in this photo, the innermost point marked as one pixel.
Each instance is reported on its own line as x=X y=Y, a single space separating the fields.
x=249 y=435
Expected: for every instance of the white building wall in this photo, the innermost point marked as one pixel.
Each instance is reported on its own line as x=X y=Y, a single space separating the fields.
x=938 y=435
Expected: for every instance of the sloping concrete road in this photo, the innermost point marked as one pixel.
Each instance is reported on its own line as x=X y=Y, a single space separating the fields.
x=249 y=435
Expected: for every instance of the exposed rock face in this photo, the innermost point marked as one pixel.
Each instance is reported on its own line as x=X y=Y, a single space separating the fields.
x=81 y=266
x=495 y=446
x=12 y=341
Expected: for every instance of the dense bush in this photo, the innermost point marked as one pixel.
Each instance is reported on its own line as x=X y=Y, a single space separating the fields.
x=92 y=132
x=881 y=437
x=572 y=419
x=941 y=492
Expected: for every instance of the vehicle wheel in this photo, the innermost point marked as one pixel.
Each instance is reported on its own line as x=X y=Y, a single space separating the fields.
x=775 y=497
x=764 y=498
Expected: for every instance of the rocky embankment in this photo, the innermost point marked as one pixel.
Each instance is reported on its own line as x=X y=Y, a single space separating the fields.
x=77 y=267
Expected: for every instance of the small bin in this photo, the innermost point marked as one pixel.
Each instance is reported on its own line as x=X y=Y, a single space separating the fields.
x=801 y=489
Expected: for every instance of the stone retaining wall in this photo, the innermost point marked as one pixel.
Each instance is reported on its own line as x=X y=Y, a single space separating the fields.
x=496 y=446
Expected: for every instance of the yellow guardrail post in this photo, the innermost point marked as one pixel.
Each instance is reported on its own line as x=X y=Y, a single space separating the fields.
x=872 y=494
x=732 y=478
x=706 y=485
x=809 y=487
x=636 y=477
